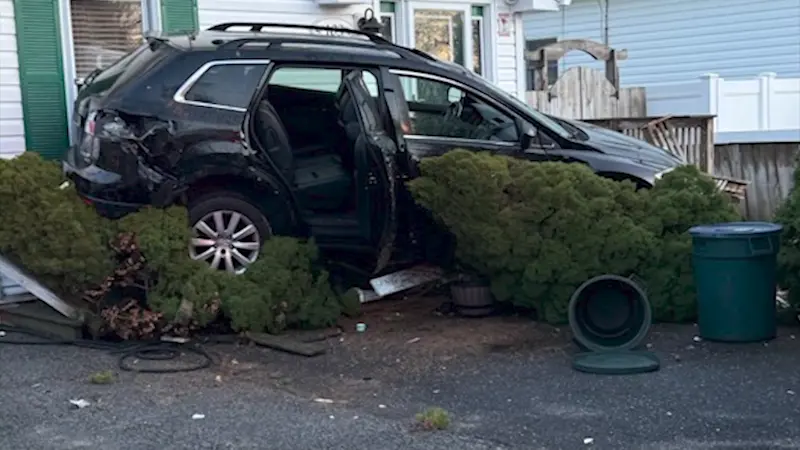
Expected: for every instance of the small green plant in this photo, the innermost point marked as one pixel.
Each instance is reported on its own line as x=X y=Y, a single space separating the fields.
x=104 y=377
x=433 y=418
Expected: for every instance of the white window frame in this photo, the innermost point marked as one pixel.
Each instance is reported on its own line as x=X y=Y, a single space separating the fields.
x=404 y=13
x=180 y=94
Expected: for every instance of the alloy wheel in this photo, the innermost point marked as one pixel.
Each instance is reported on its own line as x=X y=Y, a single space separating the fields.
x=226 y=240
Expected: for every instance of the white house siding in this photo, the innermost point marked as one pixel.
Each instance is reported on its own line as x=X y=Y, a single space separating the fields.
x=12 y=128
x=679 y=40
x=307 y=12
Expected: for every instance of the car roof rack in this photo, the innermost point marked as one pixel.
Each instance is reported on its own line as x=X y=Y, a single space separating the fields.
x=259 y=27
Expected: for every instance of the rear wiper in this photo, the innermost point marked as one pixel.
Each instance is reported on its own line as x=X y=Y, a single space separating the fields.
x=92 y=75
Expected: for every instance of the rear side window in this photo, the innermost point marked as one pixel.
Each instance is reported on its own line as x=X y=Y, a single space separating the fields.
x=225 y=85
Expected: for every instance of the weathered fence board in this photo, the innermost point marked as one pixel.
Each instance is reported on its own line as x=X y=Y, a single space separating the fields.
x=688 y=137
x=769 y=167
x=584 y=93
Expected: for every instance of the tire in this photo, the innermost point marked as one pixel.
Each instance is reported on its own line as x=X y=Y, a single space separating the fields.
x=227 y=248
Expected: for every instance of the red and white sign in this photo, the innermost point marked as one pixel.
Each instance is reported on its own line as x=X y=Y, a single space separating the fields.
x=505 y=25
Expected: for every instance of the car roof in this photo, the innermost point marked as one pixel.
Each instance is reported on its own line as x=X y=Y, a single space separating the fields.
x=353 y=45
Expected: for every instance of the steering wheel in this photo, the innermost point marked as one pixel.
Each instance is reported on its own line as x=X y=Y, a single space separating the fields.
x=454 y=110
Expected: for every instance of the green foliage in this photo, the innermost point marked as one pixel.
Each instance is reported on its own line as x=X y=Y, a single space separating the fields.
x=433 y=419
x=684 y=198
x=788 y=215
x=283 y=288
x=539 y=230
x=47 y=229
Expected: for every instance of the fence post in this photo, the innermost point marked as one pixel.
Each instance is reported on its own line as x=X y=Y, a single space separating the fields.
x=709 y=95
x=766 y=90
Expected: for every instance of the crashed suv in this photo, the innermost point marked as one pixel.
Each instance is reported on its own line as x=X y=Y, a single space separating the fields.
x=274 y=129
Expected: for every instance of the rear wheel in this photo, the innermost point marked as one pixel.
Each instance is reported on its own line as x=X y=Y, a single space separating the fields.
x=227 y=231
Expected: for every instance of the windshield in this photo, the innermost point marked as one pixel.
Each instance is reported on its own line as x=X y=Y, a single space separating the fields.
x=538 y=116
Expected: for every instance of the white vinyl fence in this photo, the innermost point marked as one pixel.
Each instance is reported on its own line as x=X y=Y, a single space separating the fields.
x=764 y=109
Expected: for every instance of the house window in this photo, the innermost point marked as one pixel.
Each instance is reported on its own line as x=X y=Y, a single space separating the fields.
x=477 y=39
x=388 y=21
x=530 y=67
x=103 y=31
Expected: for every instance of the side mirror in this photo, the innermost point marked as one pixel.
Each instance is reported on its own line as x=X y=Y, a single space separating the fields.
x=528 y=137
x=454 y=95
x=80 y=81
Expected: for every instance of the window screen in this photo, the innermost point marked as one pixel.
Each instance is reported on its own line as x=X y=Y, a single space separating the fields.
x=104 y=31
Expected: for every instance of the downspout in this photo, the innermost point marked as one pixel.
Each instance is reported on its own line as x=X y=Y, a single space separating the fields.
x=605 y=24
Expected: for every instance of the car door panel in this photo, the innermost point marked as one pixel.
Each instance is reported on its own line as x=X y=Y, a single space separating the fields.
x=380 y=182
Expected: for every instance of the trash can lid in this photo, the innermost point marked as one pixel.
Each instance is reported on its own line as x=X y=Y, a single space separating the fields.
x=735 y=229
x=616 y=362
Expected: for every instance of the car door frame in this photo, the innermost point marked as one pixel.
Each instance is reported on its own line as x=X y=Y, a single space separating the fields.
x=385 y=160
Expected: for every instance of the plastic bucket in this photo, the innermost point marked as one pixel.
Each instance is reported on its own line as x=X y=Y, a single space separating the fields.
x=609 y=313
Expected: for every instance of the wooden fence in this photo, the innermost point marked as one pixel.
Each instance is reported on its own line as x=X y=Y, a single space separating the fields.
x=584 y=93
x=689 y=137
x=769 y=167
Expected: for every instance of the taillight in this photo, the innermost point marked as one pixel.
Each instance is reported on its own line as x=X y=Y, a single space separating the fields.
x=89 y=125
x=89 y=148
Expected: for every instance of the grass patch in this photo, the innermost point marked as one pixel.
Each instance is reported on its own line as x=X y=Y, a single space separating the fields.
x=433 y=419
x=104 y=377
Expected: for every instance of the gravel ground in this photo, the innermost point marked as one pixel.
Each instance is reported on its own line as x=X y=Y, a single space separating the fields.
x=511 y=391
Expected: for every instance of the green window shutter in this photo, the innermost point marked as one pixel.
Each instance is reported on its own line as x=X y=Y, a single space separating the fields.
x=41 y=74
x=179 y=16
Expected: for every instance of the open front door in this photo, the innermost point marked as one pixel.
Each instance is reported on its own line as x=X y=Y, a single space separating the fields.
x=375 y=173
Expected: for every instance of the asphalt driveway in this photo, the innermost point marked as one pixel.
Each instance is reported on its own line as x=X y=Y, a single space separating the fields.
x=508 y=389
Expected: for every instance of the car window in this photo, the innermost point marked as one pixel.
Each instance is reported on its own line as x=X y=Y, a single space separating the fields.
x=317 y=79
x=309 y=78
x=230 y=85
x=439 y=109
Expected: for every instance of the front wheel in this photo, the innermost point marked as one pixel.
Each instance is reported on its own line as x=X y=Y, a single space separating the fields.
x=227 y=231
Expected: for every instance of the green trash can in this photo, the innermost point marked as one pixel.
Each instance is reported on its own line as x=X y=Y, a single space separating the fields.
x=735 y=276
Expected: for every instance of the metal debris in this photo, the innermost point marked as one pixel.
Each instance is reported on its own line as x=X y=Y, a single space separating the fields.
x=79 y=403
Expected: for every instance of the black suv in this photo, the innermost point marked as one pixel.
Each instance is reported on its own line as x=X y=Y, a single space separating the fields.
x=305 y=131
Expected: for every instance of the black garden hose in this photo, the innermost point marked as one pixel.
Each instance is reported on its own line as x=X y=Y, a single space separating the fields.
x=146 y=351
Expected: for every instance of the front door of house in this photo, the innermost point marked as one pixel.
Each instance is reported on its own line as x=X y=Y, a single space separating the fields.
x=452 y=32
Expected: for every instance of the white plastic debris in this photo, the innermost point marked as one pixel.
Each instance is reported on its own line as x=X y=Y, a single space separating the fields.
x=2 y=334
x=198 y=416
x=331 y=417
x=412 y=341
x=588 y=441
x=64 y=185
x=790 y=392
x=361 y=327
x=79 y=403
x=382 y=406
x=323 y=400
x=669 y=413
x=218 y=378
x=697 y=339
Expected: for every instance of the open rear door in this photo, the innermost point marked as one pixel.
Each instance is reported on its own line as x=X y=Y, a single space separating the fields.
x=378 y=182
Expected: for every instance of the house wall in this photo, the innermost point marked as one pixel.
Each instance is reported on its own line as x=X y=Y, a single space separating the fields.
x=12 y=127
x=679 y=40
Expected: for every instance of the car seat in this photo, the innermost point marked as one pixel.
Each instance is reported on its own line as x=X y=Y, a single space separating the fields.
x=272 y=136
